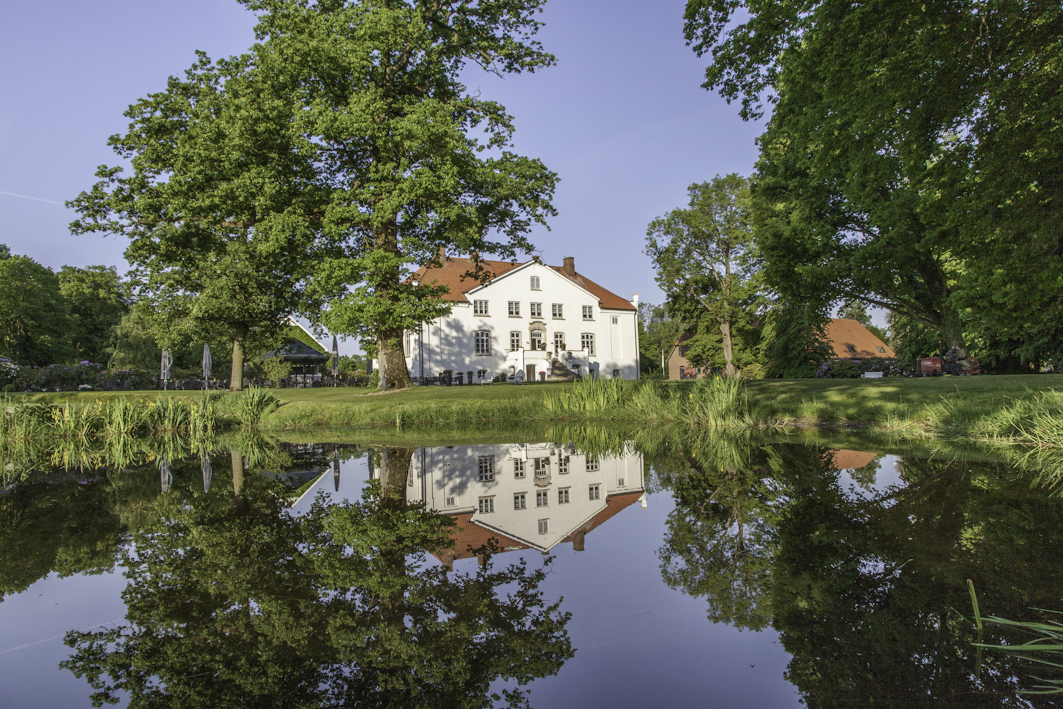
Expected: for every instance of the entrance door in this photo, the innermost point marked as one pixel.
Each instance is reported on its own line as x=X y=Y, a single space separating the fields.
x=529 y=373
x=536 y=339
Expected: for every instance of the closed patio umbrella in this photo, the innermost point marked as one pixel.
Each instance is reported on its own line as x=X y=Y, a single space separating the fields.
x=167 y=362
x=207 y=472
x=207 y=364
x=335 y=360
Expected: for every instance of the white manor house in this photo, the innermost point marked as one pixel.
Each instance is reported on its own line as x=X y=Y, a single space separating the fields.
x=530 y=321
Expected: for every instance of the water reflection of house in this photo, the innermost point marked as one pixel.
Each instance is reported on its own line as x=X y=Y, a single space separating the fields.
x=524 y=496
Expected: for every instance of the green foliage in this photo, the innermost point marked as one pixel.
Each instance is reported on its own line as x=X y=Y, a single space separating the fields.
x=298 y=333
x=98 y=303
x=794 y=343
x=253 y=404
x=35 y=319
x=944 y=210
x=658 y=333
x=706 y=259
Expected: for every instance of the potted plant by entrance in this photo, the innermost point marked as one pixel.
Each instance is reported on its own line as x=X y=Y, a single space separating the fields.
x=446 y=376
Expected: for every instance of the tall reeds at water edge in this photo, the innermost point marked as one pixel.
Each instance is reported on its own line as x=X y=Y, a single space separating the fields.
x=708 y=403
x=115 y=417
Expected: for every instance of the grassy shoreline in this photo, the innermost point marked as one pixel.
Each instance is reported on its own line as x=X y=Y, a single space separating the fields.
x=1023 y=409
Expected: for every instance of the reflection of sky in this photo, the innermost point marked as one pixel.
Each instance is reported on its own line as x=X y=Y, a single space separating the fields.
x=886 y=478
x=32 y=626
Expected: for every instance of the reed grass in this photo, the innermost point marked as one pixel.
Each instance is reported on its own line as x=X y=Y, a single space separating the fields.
x=1045 y=647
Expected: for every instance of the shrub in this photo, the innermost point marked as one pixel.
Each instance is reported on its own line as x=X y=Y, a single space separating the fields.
x=8 y=371
x=59 y=377
x=839 y=369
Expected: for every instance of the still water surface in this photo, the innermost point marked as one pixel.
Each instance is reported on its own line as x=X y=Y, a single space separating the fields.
x=719 y=574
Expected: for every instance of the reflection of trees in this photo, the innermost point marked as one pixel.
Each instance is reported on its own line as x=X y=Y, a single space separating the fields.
x=59 y=522
x=232 y=601
x=862 y=588
x=721 y=538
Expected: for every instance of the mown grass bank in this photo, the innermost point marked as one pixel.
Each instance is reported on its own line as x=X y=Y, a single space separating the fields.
x=1004 y=409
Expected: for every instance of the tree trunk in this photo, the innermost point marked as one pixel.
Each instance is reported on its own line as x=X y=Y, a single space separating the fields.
x=725 y=335
x=238 y=471
x=392 y=359
x=236 y=375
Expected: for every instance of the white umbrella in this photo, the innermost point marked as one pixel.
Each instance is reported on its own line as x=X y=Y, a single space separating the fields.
x=207 y=471
x=207 y=364
x=335 y=360
x=167 y=362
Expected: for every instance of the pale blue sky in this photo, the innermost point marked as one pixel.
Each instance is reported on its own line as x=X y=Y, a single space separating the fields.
x=622 y=118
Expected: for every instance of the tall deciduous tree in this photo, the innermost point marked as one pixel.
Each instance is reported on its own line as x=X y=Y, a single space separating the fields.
x=221 y=214
x=411 y=159
x=705 y=255
x=913 y=155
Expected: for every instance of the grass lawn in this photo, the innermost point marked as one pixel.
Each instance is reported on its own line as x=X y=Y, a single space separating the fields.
x=857 y=400
x=928 y=402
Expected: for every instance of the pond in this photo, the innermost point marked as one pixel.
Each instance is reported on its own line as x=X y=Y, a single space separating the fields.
x=571 y=572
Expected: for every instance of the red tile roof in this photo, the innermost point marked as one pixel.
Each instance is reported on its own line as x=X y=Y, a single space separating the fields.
x=845 y=459
x=842 y=332
x=453 y=275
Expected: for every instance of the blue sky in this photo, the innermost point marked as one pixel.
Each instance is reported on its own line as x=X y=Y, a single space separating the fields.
x=622 y=118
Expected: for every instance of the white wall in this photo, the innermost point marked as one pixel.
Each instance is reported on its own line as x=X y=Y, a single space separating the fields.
x=442 y=475
x=448 y=343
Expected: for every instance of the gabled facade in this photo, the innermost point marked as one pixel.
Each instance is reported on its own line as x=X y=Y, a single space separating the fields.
x=527 y=318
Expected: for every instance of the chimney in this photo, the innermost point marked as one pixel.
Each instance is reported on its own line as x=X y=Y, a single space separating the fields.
x=577 y=540
x=448 y=561
x=443 y=254
x=570 y=267
x=635 y=300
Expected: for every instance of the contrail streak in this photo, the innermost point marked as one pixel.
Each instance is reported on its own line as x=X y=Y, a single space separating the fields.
x=37 y=199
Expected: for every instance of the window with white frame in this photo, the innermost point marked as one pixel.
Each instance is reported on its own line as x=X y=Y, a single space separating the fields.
x=519 y=502
x=487 y=505
x=536 y=340
x=485 y=468
x=542 y=467
x=562 y=497
x=620 y=482
x=452 y=502
x=562 y=465
x=536 y=309
x=544 y=526
x=406 y=344
x=514 y=340
x=596 y=492
x=481 y=374
x=559 y=340
x=479 y=307
x=535 y=283
x=588 y=312
x=587 y=342
x=542 y=498
x=616 y=321
x=518 y=468
x=483 y=342
x=514 y=308
x=557 y=310
x=592 y=465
